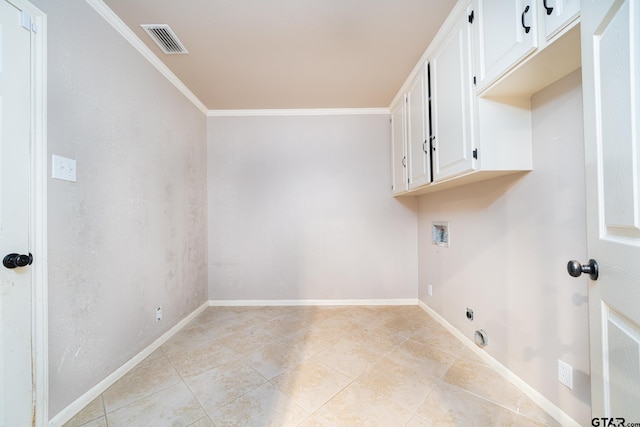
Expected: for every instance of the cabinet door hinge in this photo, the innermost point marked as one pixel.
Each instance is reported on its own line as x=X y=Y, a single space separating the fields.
x=475 y=153
x=471 y=17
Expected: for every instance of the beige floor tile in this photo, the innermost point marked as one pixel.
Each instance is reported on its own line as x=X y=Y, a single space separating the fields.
x=248 y=340
x=194 y=362
x=524 y=421
x=448 y=405
x=335 y=327
x=357 y=405
x=417 y=313
x=311 y=422
x=223 y=384
x=428 y=360
x=403 y=326
x=438 y=337
x=203 y=422
x=314 y=339
x=174 y=406
x=98 y=422
x=482 y=380
x=277 y=357
x=362 y=317
x=311 y=384
x=92 y=411
x=529 y=412
x=416 y=421
x=264 y=406
x=188 y=339
x=402 y=384
x=374 y=337
x=290 y=321
x=153 y=374
x=349 y=357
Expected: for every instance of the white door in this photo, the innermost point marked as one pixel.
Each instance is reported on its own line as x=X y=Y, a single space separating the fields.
x=452 y=106
x=610 y=57
x=16 y=394
x=419 y=164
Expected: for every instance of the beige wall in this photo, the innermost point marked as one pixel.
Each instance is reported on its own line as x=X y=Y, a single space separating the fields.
x=301 y=208
x=131 y=233
x=510 y=241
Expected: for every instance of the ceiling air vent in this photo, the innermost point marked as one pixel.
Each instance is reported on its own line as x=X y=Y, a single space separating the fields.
x=164 y=36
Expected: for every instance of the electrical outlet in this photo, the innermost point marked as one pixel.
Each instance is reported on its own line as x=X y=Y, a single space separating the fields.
x=63 y=168
x=565 y=374
x=158 y=313
x=430 y=290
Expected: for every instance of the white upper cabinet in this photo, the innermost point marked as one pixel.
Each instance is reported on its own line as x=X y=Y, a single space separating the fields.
x=557 y=15
x=417 y=131
x=452 y=106
x=466 y=115
x=522 y=46
x=398 y=149
x=506 y=32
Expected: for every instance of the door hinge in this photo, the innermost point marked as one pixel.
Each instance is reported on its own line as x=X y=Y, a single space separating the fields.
x=475 y=153
x=471 y=17
x=27 y=22
x=474 y=80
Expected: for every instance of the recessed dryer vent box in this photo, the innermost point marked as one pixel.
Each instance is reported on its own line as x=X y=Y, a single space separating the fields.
x=440 y=233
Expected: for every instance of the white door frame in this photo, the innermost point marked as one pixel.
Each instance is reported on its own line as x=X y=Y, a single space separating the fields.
x=38 y=212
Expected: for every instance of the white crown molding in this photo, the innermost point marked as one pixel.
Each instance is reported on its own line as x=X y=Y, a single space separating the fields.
x=135 y=41
x=298 y=112
x=311 y=302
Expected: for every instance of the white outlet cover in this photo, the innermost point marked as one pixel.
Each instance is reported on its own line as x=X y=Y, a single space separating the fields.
x=565 y=374
x=63 y=168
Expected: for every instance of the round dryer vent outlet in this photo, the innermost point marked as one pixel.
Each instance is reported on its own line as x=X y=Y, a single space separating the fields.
x=482 y=339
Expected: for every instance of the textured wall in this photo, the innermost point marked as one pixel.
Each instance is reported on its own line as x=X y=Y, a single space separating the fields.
x=510 y=241
x=301 y=208
x=131 y=233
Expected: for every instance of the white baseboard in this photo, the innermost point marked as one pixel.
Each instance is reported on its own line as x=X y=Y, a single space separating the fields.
x=76 y=406
x=311 y=302
x=532 y=393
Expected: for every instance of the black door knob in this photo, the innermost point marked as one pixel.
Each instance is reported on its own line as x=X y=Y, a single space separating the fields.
x=575 y=269
x=17 y=260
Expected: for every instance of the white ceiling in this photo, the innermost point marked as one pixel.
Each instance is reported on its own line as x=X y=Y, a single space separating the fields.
x=281 y=54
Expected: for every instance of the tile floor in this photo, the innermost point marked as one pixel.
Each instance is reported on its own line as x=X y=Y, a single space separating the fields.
x=312 y=366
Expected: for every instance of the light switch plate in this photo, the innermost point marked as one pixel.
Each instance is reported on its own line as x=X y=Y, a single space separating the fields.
x=63 y=168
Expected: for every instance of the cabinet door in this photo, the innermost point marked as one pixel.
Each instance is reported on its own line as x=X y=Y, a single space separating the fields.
x=451 y=103
x=398 y=151
x=506 y=32
x=558 y=14
x=419 y=165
